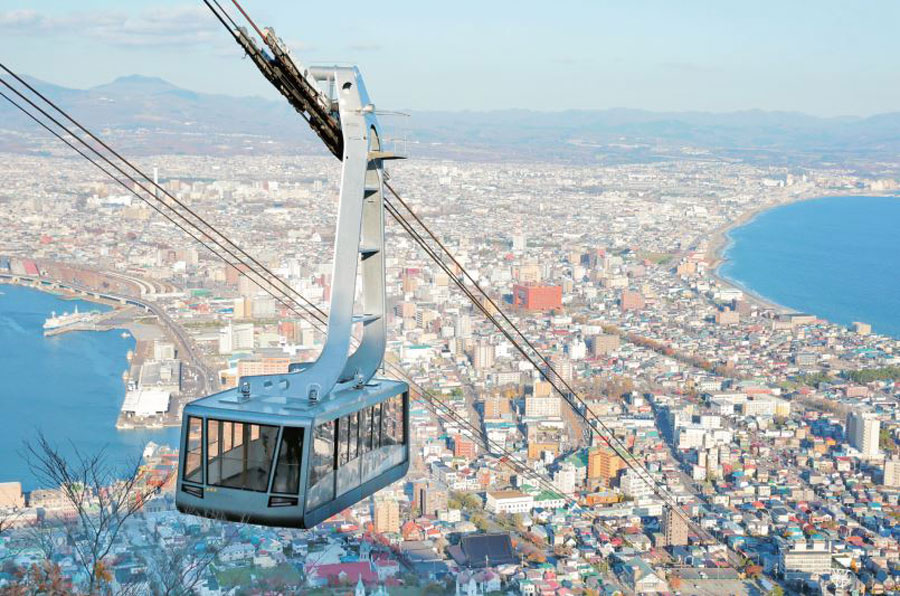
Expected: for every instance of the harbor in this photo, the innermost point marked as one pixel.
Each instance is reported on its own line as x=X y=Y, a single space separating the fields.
x=118 y=318
x=164 y=369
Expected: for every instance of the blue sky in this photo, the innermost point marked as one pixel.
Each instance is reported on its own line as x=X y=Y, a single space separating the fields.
x=826 y=57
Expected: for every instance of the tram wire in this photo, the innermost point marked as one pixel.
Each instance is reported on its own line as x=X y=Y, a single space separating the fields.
x=267 y=285
x=422 y=394
x=487 y=314
x=569 y=394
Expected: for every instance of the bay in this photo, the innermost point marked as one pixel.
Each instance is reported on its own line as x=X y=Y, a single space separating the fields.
x=68 y=387
x=835 y=257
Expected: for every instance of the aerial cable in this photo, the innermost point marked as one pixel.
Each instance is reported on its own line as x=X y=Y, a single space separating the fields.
x=223 y=238
x=227 y=16
x=612 y=440
x=633 y=463
x=131 y=178
x=268 y=282
x=139 y=196
x=468 y=427
x=246 y=16
x=471 y=429
x=508 y=458
x=105 y=171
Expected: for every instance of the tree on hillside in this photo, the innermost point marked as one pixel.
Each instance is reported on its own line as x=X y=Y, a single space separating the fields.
x=101 y=497
x=178 y=568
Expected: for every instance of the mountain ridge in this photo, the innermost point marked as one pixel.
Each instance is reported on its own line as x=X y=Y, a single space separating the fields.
x=138 y=102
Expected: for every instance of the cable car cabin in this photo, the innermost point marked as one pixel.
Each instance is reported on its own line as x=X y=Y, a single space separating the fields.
x=273 y=462
x=294 y=449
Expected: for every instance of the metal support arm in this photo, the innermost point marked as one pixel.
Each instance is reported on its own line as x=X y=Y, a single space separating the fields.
x=358 y=249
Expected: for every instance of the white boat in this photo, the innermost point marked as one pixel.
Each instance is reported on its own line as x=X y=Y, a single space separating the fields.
x=66 y=319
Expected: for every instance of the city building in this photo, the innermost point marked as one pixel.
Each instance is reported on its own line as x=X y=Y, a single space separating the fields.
x=387 y=516
x=634 y=487
x=11 y=496
x=632 y=301
x=804 y=559
x=263 y=366
x=604 y=344
x=508 y=501
x=891 y=476
x=863 y=432
x=604 y=464
x=235 y=337
x=428 y=500
x=495 y=407
x=542 y=407
x=464 y=447
x=674 y=527
x=536 y=297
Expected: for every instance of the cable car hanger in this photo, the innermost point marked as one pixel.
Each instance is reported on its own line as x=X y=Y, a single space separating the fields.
x=293 y=449
x=299 y=87
x=320 y=126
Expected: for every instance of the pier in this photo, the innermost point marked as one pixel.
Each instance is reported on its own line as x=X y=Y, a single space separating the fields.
x=107 y=321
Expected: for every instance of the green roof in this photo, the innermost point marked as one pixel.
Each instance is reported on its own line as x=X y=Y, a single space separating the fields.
x=579 y=459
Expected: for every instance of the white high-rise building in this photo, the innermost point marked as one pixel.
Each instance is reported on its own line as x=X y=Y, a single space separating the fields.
x=863 y=429
x=236 y=337
x=565 y=479
x=519 y=241
x=542 y=407
x=634 y=486
x=891 y=473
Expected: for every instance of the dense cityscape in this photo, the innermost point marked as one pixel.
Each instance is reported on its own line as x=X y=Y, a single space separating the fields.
x=775 y=432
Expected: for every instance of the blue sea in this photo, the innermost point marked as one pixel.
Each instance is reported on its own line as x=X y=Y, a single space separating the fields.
x=835 y=257
x=69 y=386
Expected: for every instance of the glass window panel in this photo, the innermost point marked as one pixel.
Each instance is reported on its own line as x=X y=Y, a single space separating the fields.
x=343 y=447
x=287 y=472
x=245 y=465
x=397 y=415
x=212 y=438
x=388 y=423
x=193 y=469
x=376 y=426
x=402 y=414
x=353 y=438
x=365 y=431
x=227 y=437
x=322 y=460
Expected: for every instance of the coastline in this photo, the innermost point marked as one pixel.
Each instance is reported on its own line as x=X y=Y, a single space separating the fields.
x=72 y=398
x=719 y=241
x=131 y=325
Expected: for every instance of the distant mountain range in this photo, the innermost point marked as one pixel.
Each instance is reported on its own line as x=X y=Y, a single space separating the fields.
x=150 y=115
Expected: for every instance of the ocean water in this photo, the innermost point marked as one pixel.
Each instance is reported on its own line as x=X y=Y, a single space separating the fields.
x=835 y=257
x=69 y=387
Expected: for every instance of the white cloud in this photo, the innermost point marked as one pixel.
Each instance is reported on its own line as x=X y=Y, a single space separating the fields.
x=179 y=26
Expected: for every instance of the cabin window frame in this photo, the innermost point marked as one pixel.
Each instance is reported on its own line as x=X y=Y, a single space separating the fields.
x=187 y=476
x=250 y=432
x=293 y=490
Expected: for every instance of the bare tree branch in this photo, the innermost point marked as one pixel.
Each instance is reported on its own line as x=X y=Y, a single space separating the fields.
x=101 y=496
x=178 y=569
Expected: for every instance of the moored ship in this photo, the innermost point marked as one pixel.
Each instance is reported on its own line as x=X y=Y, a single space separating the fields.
x=56 y=322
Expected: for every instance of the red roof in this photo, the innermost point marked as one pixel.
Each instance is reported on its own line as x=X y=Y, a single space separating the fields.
x=346 y=572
